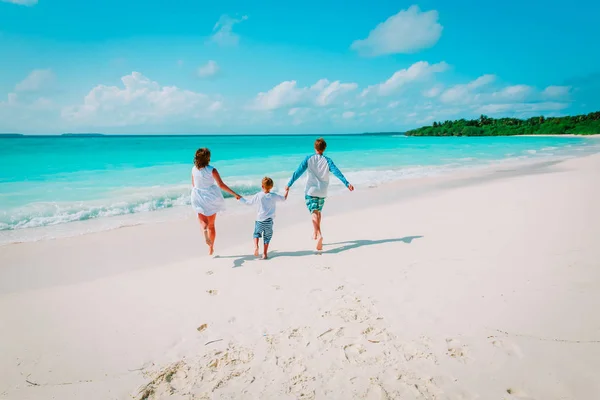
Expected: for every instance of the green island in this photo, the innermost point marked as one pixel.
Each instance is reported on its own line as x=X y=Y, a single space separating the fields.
x=484 y=126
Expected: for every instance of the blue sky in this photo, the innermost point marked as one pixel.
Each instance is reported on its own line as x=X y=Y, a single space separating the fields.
x=188 y=66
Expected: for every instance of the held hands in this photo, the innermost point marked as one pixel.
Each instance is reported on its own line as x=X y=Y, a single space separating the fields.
x=287 y=191
x=237 y=196
x=350 y=187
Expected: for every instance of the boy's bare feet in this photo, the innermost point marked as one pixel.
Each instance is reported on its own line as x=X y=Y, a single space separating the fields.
x=264 y=257
x=256 y=251
x=211 y=250
x=320 y=243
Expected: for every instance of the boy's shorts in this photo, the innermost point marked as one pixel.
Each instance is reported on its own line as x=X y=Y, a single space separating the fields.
x=264 y=229
x=314 y=203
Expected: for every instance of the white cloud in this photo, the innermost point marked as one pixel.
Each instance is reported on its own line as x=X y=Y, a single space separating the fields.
x=520 y=108
x=556 y=91
x=417 y=71
x=223 y=31
x=37 y=80
x=465 y=93
x=11 y=100
x=139 y=101
x=334 y=90
x=348 y=114
x=211 y=68
x=285 y=94
x=433 y=92
x=299 y=115
x=27 y=102
x=513 y=93
x=406 y=32
x=215 y=106
x=288 y=94
x=22 y=2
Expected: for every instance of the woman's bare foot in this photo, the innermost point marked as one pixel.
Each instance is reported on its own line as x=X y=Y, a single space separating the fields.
x=256 y=251
x=320 y=243
x=264 y=257
x=207 y=238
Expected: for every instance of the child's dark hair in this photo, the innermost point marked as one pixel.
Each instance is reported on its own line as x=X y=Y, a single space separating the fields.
x=202 y=158
x=267 y=182
x=320 y=145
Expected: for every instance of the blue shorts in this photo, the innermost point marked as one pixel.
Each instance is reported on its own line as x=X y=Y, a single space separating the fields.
x=264 y=229
x=314 y=203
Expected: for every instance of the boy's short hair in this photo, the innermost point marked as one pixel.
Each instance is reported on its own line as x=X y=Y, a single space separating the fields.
x=320 y=144
x=267 y=182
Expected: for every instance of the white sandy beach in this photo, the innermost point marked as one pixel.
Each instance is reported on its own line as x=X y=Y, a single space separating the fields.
x=474 y=286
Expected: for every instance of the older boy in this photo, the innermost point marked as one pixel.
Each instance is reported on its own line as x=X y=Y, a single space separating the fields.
x=317 y=182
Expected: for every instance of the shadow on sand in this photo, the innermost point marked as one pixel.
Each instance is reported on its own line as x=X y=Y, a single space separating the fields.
x=343 y=246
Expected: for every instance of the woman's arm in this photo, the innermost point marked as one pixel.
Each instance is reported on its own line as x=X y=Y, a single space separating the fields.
x=223 y=186
x=192 y=180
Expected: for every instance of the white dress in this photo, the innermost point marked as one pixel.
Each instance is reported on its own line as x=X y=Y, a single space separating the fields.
x=206 y=197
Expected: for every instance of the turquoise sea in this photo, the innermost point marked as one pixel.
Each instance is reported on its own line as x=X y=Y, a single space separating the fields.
x=55 y=180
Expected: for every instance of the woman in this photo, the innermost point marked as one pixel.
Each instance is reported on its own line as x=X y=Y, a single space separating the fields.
x=207 y=198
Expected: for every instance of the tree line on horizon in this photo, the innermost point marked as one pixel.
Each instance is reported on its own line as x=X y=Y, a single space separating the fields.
x=587 y=124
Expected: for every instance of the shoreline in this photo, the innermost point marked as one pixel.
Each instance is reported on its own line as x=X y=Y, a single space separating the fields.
x=182 y=212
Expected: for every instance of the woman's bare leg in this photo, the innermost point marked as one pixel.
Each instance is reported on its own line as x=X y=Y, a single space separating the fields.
x=203 y=219
x=212 y=233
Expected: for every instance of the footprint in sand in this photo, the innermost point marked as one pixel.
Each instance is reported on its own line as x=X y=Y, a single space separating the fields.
x=374 y=335
x=510 y=348
x=376 y=392
x=209 y=272
x=354 y=353
x=518 y=394
x=330 y=335
x=301 y=387
x=296 y=333
x=212 y=292
x=457 y=351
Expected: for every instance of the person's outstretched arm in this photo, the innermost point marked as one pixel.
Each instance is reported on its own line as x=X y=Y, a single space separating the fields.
x=298 y=173
x=279 y=197
x=250 y=201
x=223 y=186
x=338 y=174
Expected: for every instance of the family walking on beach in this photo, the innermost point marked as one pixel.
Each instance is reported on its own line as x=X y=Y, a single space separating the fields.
x=207 y=199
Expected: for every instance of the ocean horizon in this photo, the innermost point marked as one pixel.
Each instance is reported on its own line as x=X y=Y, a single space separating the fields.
x=53 y=181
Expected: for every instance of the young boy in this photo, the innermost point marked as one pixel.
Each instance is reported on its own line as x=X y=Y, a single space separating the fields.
x=318 y=167
x=263 y=227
